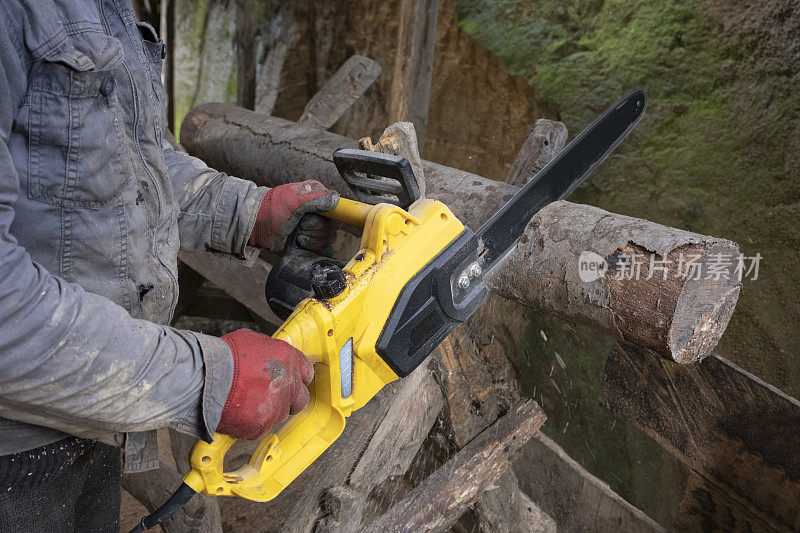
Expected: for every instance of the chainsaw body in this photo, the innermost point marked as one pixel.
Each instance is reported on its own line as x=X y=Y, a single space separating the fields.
x=382 y=315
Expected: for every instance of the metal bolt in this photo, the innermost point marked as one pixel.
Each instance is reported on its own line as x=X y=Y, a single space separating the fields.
x=475 y=270
x=463 y=282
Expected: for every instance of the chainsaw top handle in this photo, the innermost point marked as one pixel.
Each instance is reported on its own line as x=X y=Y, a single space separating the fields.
x=378 y=178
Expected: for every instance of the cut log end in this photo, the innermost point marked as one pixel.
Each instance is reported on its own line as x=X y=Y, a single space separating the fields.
x=703 y=310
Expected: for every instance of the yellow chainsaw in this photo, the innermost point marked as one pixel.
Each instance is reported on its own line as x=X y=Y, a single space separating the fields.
x=418 y=274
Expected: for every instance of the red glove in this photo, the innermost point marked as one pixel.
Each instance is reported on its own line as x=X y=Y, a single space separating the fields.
x=270 y=382
x=287 y=206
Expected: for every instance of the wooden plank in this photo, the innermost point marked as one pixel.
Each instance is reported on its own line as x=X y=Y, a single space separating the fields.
x=574 y=498
x=505 y=508
x=443 y=496
x=730 y=427
x=417 y=400
x=340 y=92
x=335 y=465
x=243 y=283
x=413 y=66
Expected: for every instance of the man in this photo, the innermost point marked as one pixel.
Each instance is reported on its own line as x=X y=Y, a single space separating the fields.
x=94 y=206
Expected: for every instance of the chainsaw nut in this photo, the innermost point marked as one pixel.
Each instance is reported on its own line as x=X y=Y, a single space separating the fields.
x=475 y=270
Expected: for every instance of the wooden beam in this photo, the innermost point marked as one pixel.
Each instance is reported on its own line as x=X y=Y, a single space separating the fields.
x=732 y=429
x=505 y=507
x=340 y=92
x=574 y=498
x=416 y=402
x=413 y=65
x=443 y=496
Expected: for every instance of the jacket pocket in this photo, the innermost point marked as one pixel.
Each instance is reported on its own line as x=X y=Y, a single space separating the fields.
x=154 y=52
x=75 y=125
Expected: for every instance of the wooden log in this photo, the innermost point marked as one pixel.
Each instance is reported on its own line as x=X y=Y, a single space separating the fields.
x=443 y=496
x=728 y=426
x=640 y=290
x=271 y=151
x=680 y=318
x=340 y=92
x=574 y=498
x=545 y=140
x=413 y=65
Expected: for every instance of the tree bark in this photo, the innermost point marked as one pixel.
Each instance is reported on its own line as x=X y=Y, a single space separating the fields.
x=639 y=293
x=679 y=318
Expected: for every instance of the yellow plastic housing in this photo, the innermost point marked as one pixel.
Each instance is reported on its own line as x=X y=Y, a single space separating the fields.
x=395 y=245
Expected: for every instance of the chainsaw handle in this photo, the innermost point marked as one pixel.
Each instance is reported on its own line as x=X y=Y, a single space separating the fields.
x=282 y=456
x=350 y=212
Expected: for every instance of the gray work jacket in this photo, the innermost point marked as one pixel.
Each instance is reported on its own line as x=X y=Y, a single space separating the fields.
x=94 y=206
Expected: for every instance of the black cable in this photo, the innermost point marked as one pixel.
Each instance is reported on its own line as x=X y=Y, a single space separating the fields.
x=175 y=502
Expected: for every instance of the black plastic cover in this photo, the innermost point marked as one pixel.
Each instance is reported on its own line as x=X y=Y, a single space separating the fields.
x=387 y=178
x=430 y=306
x=289 y=282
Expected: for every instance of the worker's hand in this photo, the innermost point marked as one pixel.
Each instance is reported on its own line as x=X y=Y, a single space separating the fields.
x=270 y=382
x=288 y=206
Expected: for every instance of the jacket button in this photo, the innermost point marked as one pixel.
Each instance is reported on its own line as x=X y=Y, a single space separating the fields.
x=107 y=86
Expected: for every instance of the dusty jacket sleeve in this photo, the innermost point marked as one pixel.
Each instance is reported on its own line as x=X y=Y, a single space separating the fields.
x=217 y=211
x=76 y=361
